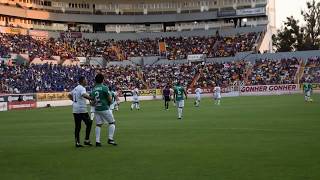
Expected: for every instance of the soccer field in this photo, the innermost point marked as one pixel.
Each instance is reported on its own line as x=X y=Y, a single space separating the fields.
x=258 y=138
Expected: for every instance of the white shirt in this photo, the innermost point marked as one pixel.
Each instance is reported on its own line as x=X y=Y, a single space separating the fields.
x=217 y=90
x=198 y=91
x=79 y=103
x=135 y=92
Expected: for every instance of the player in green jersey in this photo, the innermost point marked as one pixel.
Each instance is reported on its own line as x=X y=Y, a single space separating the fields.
x=178 y=96
x=103 y=114
x=307 y=89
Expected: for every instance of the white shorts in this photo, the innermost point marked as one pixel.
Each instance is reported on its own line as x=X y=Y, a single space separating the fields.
x=92 y=109
x=180 y=104
x=135 y=99
x=217 y=96
x=104 y=117
x=113 y=105
x=308 y=93
x=198 y=97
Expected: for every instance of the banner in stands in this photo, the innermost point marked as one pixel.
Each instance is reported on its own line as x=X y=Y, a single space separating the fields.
x=3 y=106
x=196 y=57
x=52 y=96
x=13 y=30
x=269 y=89
x=210 y=90
x=39 y=34
x=226 y=13
x=251 y=11
x=143 y=92
x=19 y=101
x=70 y=35
x=22 y=105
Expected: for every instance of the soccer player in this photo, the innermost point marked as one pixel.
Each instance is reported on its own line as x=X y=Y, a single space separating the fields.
x=178 y=96
x=115 y=100
x=166 y=96
x=307 y=88
x=217 y=94
x=198 y=92
x=80 y=112
x=103 y=114
x=135 y=99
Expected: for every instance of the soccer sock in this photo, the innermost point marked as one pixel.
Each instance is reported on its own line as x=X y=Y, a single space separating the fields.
x=179 y=112
x=219 y=102
x=132 y=106
x=98 y=129
x=306 y=98
x=137 y=105
x=112 y=128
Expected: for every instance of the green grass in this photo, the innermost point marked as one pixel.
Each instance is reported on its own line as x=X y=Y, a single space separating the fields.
x=258 y=138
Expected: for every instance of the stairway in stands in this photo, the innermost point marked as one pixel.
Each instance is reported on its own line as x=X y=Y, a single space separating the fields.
x=195 y=80
x=247 y=74
x=300 y=72
x=140 y=76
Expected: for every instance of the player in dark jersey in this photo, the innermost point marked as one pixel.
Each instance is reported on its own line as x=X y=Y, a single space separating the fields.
x=166 y=97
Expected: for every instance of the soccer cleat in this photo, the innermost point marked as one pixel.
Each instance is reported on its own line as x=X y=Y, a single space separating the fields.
x=87 y=143
x=98 y=144
x=78 y=145
x=112 y=142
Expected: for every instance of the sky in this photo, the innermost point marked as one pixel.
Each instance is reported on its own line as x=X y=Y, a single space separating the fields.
x=285 y=8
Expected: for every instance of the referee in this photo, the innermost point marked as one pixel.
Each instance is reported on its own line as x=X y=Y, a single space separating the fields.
x=80 y=112
x=166 y=96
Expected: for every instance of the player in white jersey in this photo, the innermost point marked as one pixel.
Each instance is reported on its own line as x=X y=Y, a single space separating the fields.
x=217 y=94
x=115 y=100
x=198 y=92
x=135 y=99
x=79 y=97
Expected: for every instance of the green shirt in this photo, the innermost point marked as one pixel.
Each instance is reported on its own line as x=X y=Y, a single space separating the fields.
x=179 y=92
x=101 y=93
x=307 y=87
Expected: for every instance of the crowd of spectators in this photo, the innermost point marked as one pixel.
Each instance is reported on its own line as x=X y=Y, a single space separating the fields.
x=269 y=72
x=158 y=76
x=222 y=74
x=57 y=78
x=312 y=71
x=176 y=47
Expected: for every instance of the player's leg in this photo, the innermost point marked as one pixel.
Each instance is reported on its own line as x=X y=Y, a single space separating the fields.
x=138 y=105
x=309 y=96
x=112 y=126
x=218 y=100
x=77 y=128
x=99 y=122
x=166 y=103
x=180 y=108
x=88 y=122
x=305 y=97
x=92 y=110
x=116 y=107
x=132 y=105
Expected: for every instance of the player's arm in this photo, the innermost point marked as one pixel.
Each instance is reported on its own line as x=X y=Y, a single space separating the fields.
x=174 y=97
x=85 y=95
x=70 y=96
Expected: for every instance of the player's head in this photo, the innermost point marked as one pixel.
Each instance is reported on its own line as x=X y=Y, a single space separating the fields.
x=82 y=81
x=99 y=79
